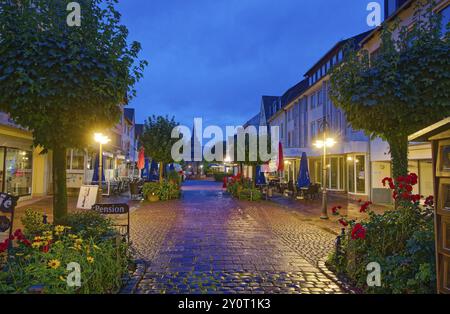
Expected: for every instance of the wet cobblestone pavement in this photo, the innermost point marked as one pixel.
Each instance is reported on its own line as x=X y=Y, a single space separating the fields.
x=208 y=242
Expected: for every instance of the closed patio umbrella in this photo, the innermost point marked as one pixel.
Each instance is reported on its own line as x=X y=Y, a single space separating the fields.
x=141 y=159
x=154 y=171
x=260 y=178
x=303 y=177
x=280 y=158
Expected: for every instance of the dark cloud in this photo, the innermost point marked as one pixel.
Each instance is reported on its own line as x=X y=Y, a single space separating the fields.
x=215 y=58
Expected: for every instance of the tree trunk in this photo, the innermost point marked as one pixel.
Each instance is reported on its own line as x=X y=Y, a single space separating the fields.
x=161 y=172
x=399 y=155
x=59 y=183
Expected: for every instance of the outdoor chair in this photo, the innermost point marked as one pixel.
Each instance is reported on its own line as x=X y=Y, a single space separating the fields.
x=313 y=192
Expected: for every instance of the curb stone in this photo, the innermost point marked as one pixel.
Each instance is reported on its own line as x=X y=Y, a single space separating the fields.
x=134 y=279
x=346 y=287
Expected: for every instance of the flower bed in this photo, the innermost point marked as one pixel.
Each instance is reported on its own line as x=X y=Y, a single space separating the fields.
x=242 y=189
x=400 y=241
x=47 y=258
x=165 y=191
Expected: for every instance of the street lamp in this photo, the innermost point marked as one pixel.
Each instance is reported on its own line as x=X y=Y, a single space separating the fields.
x=327 y=142
x=101 y=140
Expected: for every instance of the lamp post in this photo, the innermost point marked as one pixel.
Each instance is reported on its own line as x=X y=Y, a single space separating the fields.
x=327 y=142
x=101 y=140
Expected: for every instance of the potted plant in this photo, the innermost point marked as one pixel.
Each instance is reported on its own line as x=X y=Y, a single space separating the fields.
x=151 y=191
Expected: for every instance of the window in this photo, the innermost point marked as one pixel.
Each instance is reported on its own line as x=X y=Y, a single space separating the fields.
x=340 y=56
x=281 y=131
x=360 y=166
x=18 y=171
x=319 y=99
x=445 y=19
x=313 y=130
x=324 y=70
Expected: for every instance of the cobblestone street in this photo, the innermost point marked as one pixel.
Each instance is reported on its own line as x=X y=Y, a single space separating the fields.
x=208 y=242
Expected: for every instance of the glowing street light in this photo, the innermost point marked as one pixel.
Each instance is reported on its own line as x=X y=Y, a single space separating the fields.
x=101 y=140
x=326 y=142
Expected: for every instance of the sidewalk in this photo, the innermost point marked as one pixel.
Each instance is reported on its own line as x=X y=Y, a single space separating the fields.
x=310 y=210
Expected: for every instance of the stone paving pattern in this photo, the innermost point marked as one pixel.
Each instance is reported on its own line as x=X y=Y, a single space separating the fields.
x=208 y=242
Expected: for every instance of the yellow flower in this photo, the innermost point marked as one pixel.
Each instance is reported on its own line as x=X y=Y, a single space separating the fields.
x=48 y=233
x=73 y=236
x=36 y=245
x=37 y=239
x=19 y=254
x=96 y=247
x=54 y=263
x=59 y=229
x=90 y=259
x=62 y=278
x=79 y=241
x=77 y=247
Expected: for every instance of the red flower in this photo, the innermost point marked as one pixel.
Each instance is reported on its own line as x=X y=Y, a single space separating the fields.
x=413 y=178
x=387 y=179
x=26 y=242
x=364 y=207
x=335 y=210
x=409 y=188
x=358 y=232
x=429 y=201
x=4 y=246
x=343 y=222
x=45 y=248
x=415 y=198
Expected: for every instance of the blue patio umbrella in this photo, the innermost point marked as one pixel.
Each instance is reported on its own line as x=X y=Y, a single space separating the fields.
x=96 y=166
x=303 y=177
x=260 y=178
x=154 y=171
x=146 y=170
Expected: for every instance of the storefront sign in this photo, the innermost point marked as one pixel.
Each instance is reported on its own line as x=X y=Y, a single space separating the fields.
x=111 y=209
x=87 y=196
x=7 y=206
x=115 y=210
x=7 y=203
x=5 y=223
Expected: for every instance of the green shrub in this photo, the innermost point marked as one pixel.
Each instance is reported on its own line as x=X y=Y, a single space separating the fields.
x=150 y=188
x=250 y=195
x=165 y=191
x=42 y=261
x=401 y=241
x=174 y=177
x=218 y=177
x=90 y=224
x=33 y=223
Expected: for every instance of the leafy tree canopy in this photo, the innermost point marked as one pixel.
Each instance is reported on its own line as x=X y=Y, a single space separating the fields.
x=157 y=138
x=64 y=82
x=403 y=87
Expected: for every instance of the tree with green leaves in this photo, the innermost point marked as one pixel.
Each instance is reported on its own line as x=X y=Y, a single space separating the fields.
x=65 y=82
x=402 y=88
x=157 y=140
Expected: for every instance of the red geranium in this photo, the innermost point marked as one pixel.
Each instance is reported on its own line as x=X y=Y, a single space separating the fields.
x=343 y=222
x=429 y=201
x=335 y=210
x=364 y=207
x=358 y=232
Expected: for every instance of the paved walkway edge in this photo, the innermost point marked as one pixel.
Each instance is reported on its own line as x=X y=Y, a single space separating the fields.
x=133 y=281
x=322 y=266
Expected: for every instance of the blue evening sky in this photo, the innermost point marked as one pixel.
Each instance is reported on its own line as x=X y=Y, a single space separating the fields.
x=215 y=58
